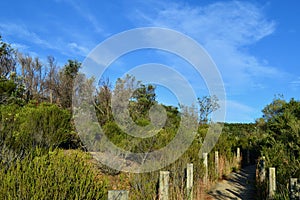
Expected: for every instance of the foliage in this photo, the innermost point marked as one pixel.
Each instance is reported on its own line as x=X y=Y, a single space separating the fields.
x=30 y=127
x=27 y=78
x=10 y=90
x=67 y=76
x=7 y=59
x=44 y=125
x=142 y=100
x=280 y=141
x=35 y=125
x=56 y=175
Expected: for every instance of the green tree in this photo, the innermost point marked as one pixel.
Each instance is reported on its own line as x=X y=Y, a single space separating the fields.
x=142 y=100
x=274 y=109
x=67 y=76
x=11 y=89
x=281 y=144
x=7 y=59
x=139 y=96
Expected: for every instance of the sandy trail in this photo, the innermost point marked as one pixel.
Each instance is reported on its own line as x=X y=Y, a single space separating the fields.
x=240 y=185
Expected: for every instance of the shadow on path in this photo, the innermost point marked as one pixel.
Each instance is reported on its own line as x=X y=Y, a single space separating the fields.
x=240 y=185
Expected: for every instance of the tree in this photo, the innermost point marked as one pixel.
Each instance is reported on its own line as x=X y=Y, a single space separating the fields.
x=52 y=81
x=67 y=76
x=33 y=75
x=207 y=104
x=11 y=89
x=281 y=145
x=122 y=100
x=143 y=98
x=7 y=59
x=274 y=108
x=103 y=102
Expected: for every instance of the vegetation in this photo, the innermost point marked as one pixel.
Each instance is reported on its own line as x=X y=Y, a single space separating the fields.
x=42 y=156
x=37 y=133
x=55 y=175
x=279 y=141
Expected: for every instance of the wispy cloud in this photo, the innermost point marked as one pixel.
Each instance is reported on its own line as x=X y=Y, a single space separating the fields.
x=22 y=31
x=87 y=15
x=225 y=29
x=76 y=48
x=295 y=84
x=19 y=46
x=31 y=38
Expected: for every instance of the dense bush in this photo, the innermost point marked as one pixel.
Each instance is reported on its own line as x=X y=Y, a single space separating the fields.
x=56 y=175
x=44 y=125
x=279 y=141
x=25 y=128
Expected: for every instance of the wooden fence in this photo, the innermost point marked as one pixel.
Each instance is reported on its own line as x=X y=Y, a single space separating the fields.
x=163 y=190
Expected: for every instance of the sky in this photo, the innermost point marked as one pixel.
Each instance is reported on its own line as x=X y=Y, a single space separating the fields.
x=254 y=44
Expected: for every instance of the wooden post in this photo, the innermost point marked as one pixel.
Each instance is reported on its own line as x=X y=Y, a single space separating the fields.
x=118 y=195
x=272 y=182
x=189 y=181
x=205 y=162
x=238 y=155
x=163 y=185
x=294 y=189
x=217 y=163
x=262 y=169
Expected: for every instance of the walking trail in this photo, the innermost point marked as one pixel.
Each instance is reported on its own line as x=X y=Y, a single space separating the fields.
x=240 y=185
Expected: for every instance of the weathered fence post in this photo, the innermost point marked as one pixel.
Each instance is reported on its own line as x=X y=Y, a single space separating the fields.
x=189 y=181
x=163 y=185
x=238 y=155
x=205 y=162
x=118 y=195
x=294 y=189
x=217 y=163
x=262 y=170
x=272 y=182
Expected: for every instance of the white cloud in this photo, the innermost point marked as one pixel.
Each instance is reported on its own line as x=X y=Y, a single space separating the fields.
x=86 y=14
x=31 y=38
x=22 y=31
x=295 y=84
x=234 y=22
x=19 y=46
x=77 y=49
x=225 y=29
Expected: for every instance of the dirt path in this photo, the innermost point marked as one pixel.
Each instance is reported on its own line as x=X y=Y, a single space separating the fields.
x=240 y=185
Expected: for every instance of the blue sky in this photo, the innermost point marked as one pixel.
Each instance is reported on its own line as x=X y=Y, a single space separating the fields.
x=255 y=44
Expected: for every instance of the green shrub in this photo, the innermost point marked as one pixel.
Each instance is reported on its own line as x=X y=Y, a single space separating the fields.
x=45 y=125
x=58 y=174
x=7 y=129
